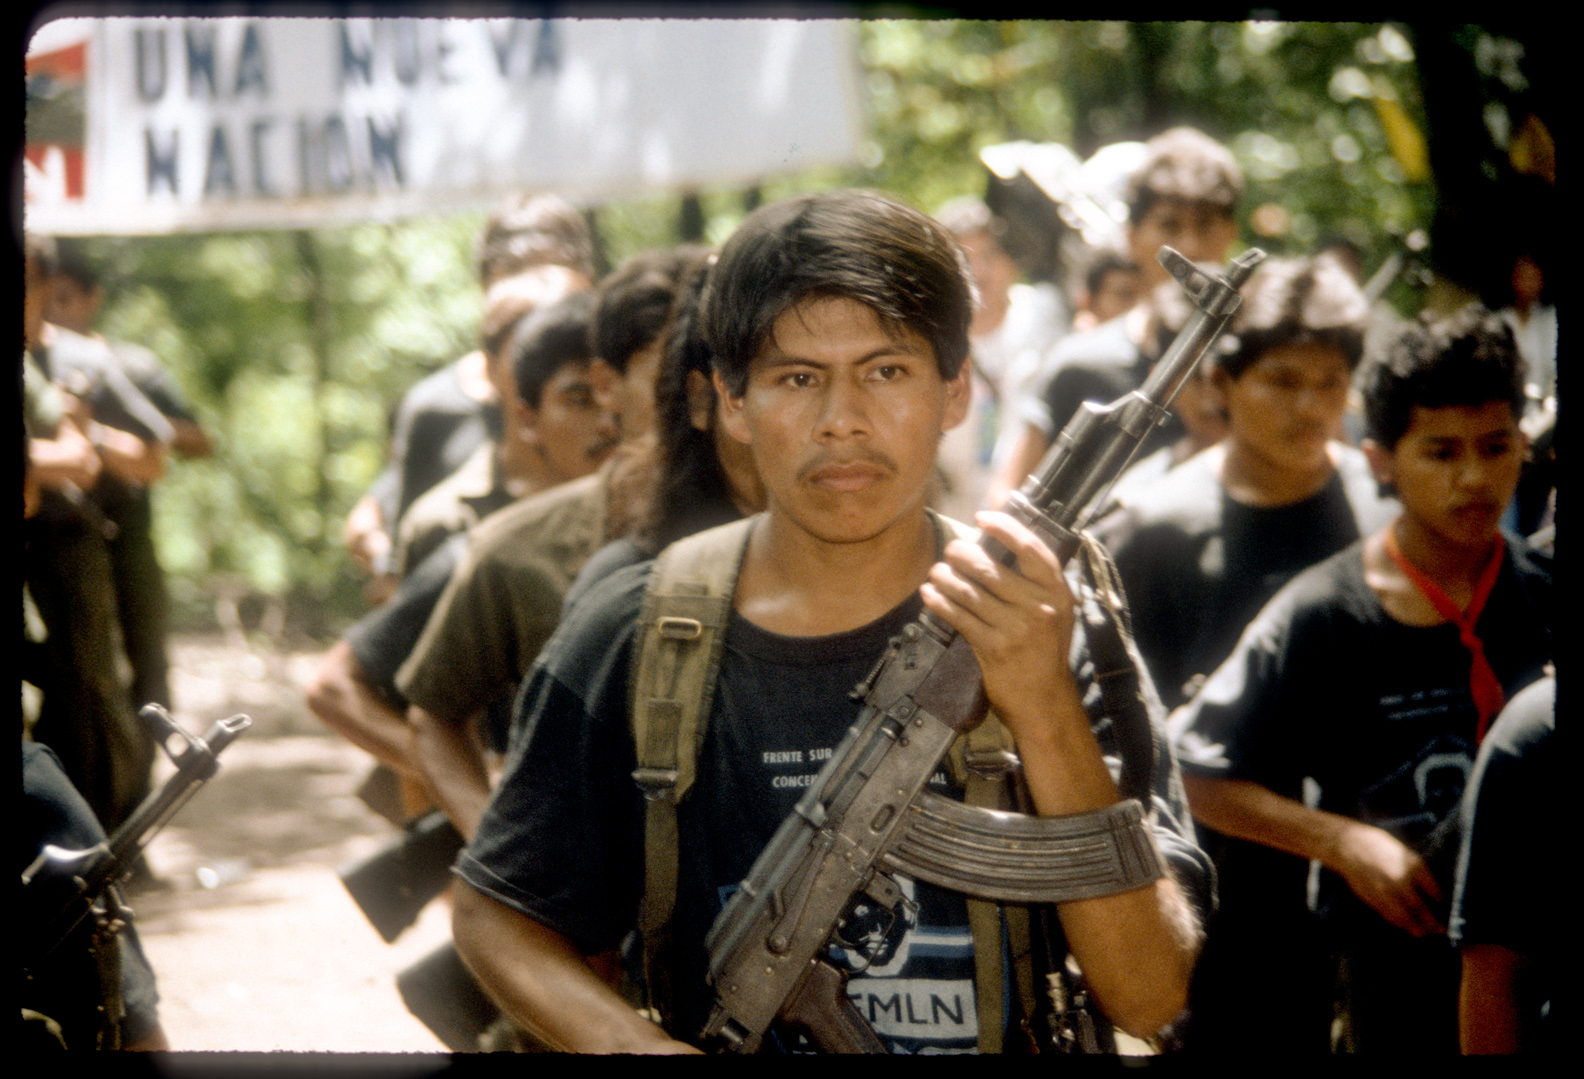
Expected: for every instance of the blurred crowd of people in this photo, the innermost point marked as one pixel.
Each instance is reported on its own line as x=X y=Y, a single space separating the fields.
x=1336 y=554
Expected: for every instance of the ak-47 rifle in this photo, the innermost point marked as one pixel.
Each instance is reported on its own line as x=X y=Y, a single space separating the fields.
x=866 y=817
x=95 y=872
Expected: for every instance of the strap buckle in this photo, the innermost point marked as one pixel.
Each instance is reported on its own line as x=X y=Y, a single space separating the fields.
x=674 y=628
x=656 y=783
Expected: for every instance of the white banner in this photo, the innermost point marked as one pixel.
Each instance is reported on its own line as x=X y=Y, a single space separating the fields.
x=195 y=124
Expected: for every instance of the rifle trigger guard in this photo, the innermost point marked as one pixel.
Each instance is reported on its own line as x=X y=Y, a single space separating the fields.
x=1010 y=857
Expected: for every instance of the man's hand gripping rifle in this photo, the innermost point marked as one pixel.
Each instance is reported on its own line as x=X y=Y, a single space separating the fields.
x=867 y=817
x=96 y=871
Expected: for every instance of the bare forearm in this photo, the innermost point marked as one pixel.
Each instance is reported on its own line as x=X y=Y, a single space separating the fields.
x=1380 y=869
x=454 y=766
x=127 y=456
x=1137 y=949
x=1062 y=764
x=347 y=705
x=545 y=984
x=1247 y=810
x=1489 y=1000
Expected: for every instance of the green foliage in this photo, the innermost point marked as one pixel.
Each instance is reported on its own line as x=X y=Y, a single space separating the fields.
x=294 y=346
x=1298 y=103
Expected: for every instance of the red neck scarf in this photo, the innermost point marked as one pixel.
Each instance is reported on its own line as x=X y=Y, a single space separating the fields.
x=1483 y=684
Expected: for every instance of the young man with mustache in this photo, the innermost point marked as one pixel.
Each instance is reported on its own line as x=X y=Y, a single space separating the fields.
x=838 y=323
x=1375 y=674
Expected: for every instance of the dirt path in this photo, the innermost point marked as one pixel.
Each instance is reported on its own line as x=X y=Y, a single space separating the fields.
x=255 y=943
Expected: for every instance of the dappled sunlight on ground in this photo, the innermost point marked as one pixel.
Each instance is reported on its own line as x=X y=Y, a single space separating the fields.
x=255 y=943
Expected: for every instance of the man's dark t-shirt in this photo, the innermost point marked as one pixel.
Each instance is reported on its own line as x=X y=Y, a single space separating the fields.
x=437 y=428
x=1511 y=887
x=1098 y=365
x=752 y=768
x=1324 y=684
x=1198 y=565
x=382 y=640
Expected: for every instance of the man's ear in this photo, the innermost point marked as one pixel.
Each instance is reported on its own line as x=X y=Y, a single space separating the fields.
x=1380 y=462
x=606 y=381
x=959 y=392
x=701 y=400
x=1220 y=383
x=732 y=418
x=524 y=420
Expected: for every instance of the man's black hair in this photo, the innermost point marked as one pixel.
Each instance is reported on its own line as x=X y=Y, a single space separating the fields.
x=548 y=340
x=1107 y=260
x=1296 y=301
x=1466 y=359
x=635 y=302
x=1185 y=164
x=691 y=490
x=533 y=230
x=851 y=244
x=73 y=263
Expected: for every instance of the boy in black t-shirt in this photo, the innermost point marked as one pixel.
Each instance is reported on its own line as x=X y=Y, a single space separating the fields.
x=838 y=323
x=1200 y=551
x=1375 y=673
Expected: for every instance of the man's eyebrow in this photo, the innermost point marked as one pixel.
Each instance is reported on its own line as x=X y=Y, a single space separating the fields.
x=772 y=356
x=1477 y=436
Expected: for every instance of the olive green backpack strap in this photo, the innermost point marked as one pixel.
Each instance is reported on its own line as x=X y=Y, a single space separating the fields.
x=681 y=632
x=983 y=763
